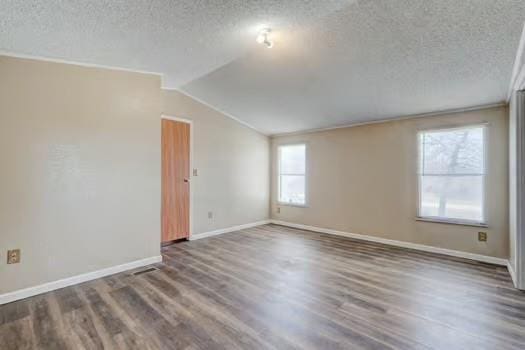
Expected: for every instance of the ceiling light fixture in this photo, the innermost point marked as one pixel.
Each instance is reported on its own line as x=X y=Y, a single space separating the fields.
x=262 y=38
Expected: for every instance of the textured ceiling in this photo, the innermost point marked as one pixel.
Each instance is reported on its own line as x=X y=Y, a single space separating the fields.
x=333 y=63
x=182 y=39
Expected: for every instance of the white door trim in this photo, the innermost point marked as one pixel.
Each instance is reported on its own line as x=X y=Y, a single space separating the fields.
x=519 y=269
x=190 y=122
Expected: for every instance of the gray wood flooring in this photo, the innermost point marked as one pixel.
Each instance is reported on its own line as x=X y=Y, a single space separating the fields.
x=272 y=287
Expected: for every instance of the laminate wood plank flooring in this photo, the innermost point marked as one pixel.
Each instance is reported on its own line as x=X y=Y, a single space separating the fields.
x=273 y=287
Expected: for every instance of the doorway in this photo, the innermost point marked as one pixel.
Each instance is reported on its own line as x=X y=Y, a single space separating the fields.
x=176 y=147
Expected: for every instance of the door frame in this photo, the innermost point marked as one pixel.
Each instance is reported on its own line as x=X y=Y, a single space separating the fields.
x=190 y=122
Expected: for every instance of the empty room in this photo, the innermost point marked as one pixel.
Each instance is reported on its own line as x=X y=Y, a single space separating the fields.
x=256 y=174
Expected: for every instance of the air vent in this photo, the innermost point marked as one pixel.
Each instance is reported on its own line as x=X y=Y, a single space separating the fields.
x=144 y=271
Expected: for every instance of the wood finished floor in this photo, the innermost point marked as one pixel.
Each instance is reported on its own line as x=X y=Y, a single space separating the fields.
x=273 y=287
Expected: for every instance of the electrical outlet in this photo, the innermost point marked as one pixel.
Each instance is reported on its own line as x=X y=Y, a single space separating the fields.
x=482 y=236
x=13 y=256
x=195 y=172
x=210 y=215
x=278 y=210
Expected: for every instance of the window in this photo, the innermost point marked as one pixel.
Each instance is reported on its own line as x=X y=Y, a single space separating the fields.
x=292 y=174
x=452 y=175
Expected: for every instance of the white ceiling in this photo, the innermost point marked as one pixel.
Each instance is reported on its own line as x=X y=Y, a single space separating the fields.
x=333 y=63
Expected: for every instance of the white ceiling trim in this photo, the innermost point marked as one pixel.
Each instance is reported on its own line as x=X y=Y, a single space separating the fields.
x=517 y=80
x=411 y=116
x=91 y=65
x=75 y=63
x=520 y=80
x=517 y=83
x=335 y=62
x=218 y=110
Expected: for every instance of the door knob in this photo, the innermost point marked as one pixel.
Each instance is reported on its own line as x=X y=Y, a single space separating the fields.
x=186 y=180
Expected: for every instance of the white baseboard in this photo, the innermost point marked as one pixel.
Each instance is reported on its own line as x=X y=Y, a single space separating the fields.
x=425 y=248
x=66 y=282
x=512 y=273
x=517 y=284
x=228 y=229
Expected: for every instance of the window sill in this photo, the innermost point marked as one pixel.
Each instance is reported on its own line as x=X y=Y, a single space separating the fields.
x=281 y=204
x=452 y=222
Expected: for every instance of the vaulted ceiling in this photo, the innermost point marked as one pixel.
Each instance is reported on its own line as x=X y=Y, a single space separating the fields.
x=333 y=62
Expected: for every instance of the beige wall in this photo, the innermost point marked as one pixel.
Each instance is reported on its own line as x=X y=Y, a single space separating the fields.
x=232 y=160
x=80 y=169
x=363 y=180
x=80 y=189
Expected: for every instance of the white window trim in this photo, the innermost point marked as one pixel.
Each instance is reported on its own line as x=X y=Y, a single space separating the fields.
x=306 y=167
x=441 y=220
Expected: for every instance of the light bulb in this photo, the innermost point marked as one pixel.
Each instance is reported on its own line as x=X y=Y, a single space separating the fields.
x=262 y=38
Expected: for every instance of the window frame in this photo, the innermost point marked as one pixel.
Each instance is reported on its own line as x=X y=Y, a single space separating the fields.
x=444 y=220
x=306 y=167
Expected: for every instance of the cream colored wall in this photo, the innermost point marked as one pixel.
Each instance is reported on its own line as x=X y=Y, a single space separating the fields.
x=80 y=155
x=80 y=169
x=232 y=160
x=363 y=180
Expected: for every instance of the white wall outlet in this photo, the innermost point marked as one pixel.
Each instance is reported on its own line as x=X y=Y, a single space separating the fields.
x=210 y=215
x=195 y=172
x=13 y=256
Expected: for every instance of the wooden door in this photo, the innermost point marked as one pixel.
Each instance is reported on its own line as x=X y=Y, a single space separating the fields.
x=175 y=180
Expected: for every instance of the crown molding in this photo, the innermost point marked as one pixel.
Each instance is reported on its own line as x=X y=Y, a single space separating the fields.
x=386 y=120
x=517 y=80
x=74 y=63
x=216 y=109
